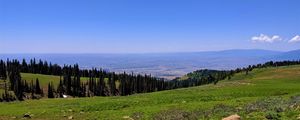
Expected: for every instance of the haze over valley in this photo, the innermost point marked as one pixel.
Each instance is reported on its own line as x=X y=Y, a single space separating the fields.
x=164 y=65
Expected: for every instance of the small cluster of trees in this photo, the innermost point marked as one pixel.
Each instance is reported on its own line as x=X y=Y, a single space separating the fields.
x=99 y=82
x=19 y=87
x=7 y=96
x=71 y=83
x=205 y=76
x=102 y=83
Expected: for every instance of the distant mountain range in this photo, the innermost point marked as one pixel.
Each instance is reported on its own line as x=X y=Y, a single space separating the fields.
x=167 y=65
x=291 y=55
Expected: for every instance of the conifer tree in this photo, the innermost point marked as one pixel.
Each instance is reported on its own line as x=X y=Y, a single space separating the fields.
x=60 y=89
x=38 y=89
x=50 y=91
x=112 y=84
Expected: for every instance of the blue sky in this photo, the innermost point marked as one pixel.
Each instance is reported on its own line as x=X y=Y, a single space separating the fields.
x=143 y=26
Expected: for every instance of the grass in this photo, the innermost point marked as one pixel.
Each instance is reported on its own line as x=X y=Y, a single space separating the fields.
x=271 y=88
x=1 y=86
x=45 y=79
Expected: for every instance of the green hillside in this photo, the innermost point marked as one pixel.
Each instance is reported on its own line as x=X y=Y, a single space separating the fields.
x=263 y=93
x=44 y=79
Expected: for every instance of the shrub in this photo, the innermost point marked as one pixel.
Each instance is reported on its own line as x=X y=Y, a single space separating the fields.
x=271 y=115
x=175 y=114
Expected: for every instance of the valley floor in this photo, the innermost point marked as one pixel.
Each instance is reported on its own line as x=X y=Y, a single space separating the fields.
x=263 y=93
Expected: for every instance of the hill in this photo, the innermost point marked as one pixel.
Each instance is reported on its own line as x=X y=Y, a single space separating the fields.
x=264 y=93
x=290 y=55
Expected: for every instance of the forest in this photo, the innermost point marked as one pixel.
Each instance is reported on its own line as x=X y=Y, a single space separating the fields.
x=100 y=82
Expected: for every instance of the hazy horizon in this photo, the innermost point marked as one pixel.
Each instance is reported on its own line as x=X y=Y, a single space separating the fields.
x=172 y=52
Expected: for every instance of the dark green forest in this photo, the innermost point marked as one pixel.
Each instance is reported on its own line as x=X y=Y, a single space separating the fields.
x=100 y=82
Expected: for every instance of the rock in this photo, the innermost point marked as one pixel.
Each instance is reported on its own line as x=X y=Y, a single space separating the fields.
x=232 y=117
x=26 y=115
x=298 y=118
x=70 y=117
x=65 y=96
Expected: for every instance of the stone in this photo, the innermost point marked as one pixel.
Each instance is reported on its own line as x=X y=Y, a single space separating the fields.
x=26 y=115
x=232 y=117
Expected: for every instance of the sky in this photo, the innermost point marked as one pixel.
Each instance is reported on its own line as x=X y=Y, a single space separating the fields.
x=147 y=26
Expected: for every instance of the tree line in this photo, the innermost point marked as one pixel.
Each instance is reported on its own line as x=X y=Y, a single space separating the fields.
x=99 y=82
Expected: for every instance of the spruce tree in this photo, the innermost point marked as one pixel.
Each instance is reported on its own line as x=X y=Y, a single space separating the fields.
x=60 y=89
x=38 y=89
x=112 y=84
x=50 y=91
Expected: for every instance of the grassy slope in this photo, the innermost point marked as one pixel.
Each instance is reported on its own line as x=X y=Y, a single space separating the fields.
x=241 y=90
x=44 y=79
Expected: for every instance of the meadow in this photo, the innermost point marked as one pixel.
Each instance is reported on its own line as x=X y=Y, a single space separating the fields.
x=45 y=79
x=265 y=93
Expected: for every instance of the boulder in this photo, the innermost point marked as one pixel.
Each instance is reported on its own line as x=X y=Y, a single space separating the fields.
x=26 y=115
x=232 y=117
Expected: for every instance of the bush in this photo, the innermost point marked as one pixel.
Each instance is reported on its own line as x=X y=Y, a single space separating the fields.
x=271 y=115
x=223 y=110
x=269 y=104
x=175 y=114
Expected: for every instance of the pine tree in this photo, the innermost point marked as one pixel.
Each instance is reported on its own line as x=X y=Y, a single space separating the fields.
x=32 y=90
x=112 y=84
x=60 y=89
x=38 y=89
x=24 y=66
x=50 y=91
x=3 y=75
